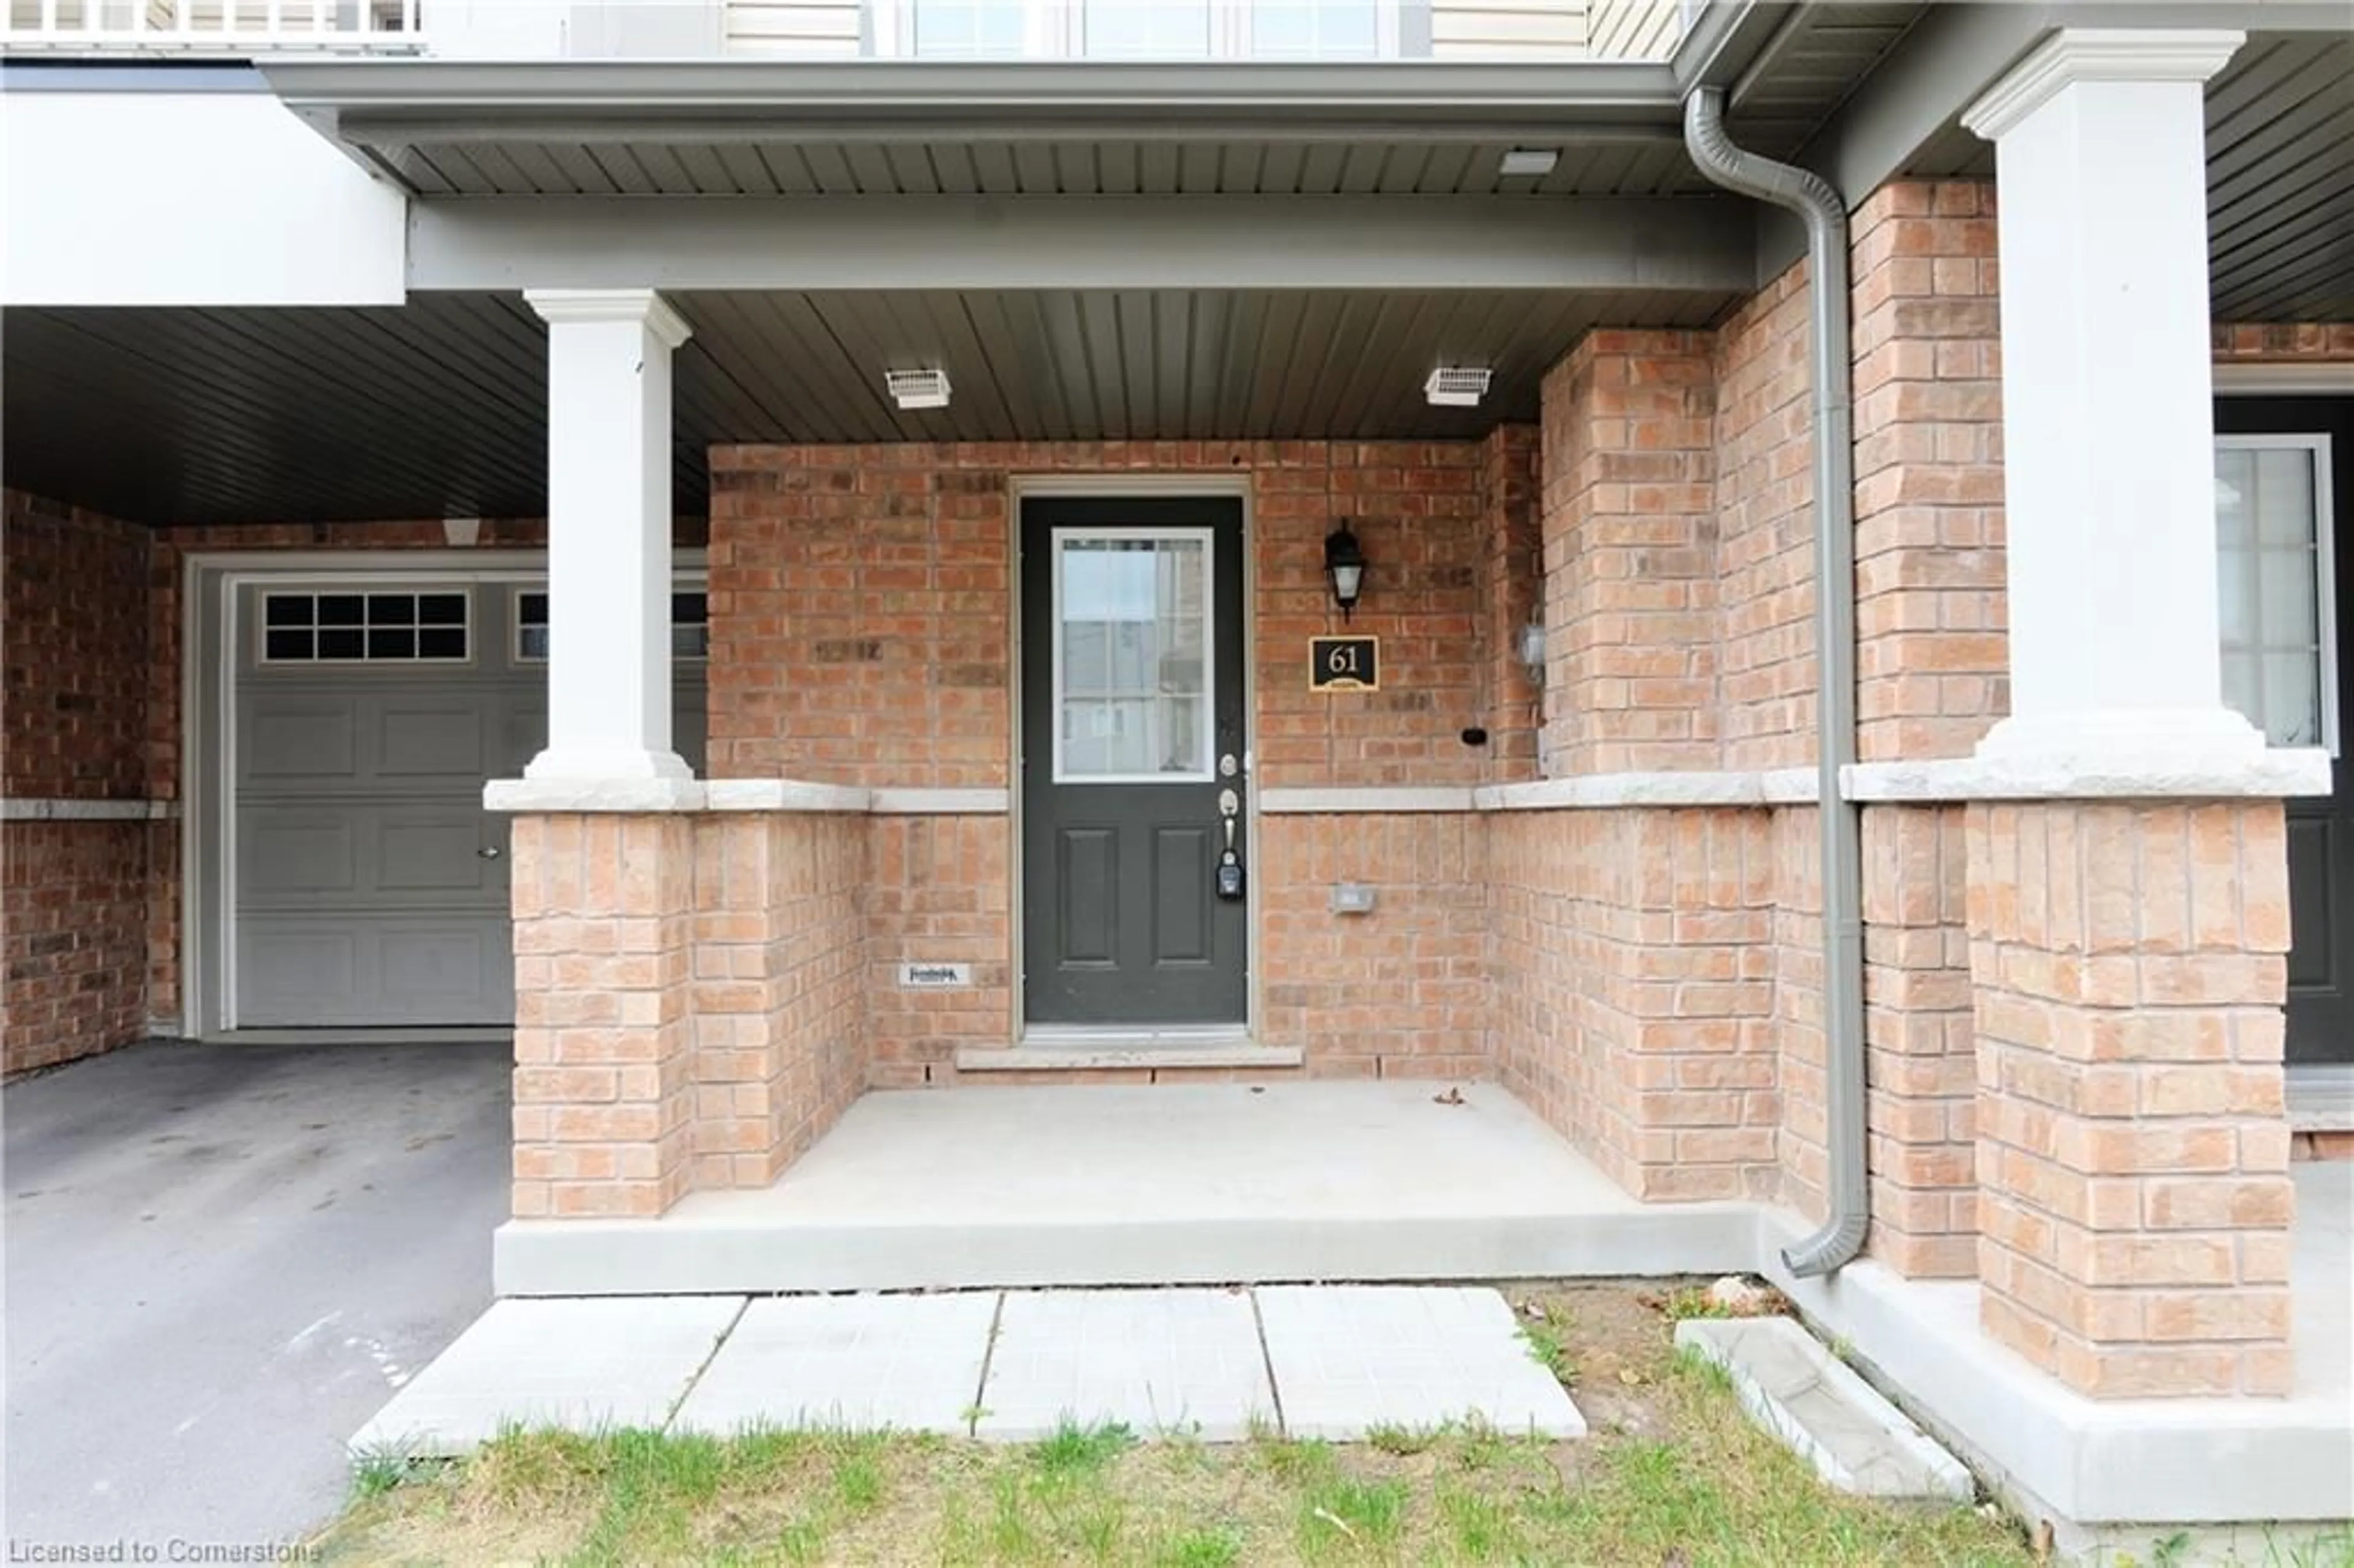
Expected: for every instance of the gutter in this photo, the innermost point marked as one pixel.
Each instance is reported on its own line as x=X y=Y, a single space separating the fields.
x=1813 y=198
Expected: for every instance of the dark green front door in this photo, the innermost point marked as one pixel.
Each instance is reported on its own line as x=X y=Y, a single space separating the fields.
x=1131 y=762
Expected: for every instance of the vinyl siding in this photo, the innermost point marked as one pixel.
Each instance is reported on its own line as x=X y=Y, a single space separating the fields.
x=1508 y=29
x=1633 y=29
x=1459 y=29
x=802 y=29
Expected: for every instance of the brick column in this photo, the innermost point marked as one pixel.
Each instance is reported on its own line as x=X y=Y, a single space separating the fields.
x=1630 y=578
x=1920 y=1042
x=603 y=917
x=1933 y=673
x=2133 y=1152
x=1932 y=660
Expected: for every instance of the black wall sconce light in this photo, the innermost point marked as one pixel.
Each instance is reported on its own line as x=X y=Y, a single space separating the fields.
x=1345 y=567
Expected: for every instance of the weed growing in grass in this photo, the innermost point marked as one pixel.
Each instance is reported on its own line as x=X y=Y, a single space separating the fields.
x=1342 y=1511
x=1482 y=1527
x=1404 y=1441
x=1294 y=1461
x=1077 y=1450
x=801 y=1542
x=379 y=1470
x=1101 y=1528
x=1199 y=1549
x=858 y=1480
x=1691 y=1302
x=1478 y=1446
x=1549 y=1350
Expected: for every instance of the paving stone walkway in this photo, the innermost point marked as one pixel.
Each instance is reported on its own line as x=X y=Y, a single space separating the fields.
x=1310 y=1361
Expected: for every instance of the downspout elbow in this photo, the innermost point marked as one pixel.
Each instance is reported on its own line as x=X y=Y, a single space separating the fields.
x=1818 y=204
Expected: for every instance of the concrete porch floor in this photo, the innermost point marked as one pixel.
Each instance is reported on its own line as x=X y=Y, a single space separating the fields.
x=1167 y=1185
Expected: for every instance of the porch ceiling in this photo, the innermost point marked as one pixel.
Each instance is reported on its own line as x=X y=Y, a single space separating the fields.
x=438 y=408
x=2280 y=178
x=786 y=165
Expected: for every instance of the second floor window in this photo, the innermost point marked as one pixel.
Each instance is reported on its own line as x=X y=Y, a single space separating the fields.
x=1137 y=30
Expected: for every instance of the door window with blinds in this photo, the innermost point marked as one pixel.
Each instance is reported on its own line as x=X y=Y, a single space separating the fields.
x=2274 y=586
x=1132 y=655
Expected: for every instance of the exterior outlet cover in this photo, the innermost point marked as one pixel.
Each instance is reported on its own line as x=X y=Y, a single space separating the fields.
x=1351 y=898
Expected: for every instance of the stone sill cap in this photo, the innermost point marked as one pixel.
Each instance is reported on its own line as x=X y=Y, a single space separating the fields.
x=637 y=796
x=2271 y=775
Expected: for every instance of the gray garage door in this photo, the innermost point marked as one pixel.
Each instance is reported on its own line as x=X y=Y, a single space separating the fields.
x=371 y=885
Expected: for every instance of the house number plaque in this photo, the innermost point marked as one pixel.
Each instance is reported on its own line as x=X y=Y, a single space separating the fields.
x=1345 y=664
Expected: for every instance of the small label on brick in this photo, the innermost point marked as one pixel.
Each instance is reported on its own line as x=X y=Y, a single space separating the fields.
x=932 y=977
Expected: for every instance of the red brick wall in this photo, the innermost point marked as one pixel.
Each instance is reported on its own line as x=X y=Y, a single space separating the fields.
x=75 y=653
x=1932 y=661
x=1510 y=585
x=778 y=998
x=73 y=894
x=938 y=889
x=1401 y=991
x=605 y=1090
x=1630 y=579
x=2312 y=343
x=861 y=602
x=1634 y=991
x=1921 y=1040
x=861 y=633
x=1765 y=530
x=73 y=906
x=2133 y=1151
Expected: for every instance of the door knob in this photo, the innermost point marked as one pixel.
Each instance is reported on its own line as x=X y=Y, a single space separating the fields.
x=489 y=852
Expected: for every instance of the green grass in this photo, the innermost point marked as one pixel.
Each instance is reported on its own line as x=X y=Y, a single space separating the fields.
x=1076 y=1450
x=1549 y=1348
x=1692 y=1482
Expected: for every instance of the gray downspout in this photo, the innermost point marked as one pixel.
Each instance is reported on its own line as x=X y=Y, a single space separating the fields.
x=1813 y=199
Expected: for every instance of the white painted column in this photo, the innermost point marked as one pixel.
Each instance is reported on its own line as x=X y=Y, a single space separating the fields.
x=608 y=489
x=2108 y=428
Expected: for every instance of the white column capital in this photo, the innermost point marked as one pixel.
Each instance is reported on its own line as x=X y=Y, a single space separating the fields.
x=2075 y=55
x=644 y=307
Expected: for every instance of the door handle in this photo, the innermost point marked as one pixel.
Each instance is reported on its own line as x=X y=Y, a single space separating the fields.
x=489 y=852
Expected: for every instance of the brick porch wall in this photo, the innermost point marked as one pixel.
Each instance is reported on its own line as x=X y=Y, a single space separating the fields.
x=1401 y=993
x=860 y=602
x=1634 y=991
x=780 y=988
x=73 y=894
x=2133 y=1146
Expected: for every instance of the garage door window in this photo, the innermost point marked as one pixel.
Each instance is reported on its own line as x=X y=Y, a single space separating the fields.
x=366 y=628
x=690 y=626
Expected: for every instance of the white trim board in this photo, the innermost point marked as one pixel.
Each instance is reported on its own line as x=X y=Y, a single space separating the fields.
x=41 y=809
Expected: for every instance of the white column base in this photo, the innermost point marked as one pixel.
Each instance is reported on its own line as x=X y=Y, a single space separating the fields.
x=576 y=764
x=2193 y=746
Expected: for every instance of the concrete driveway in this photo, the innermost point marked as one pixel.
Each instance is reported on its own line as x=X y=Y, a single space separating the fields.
x=220 y=1261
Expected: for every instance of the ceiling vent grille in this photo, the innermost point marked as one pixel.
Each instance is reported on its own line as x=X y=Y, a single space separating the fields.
x=1456 y=387
x=917 y=388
